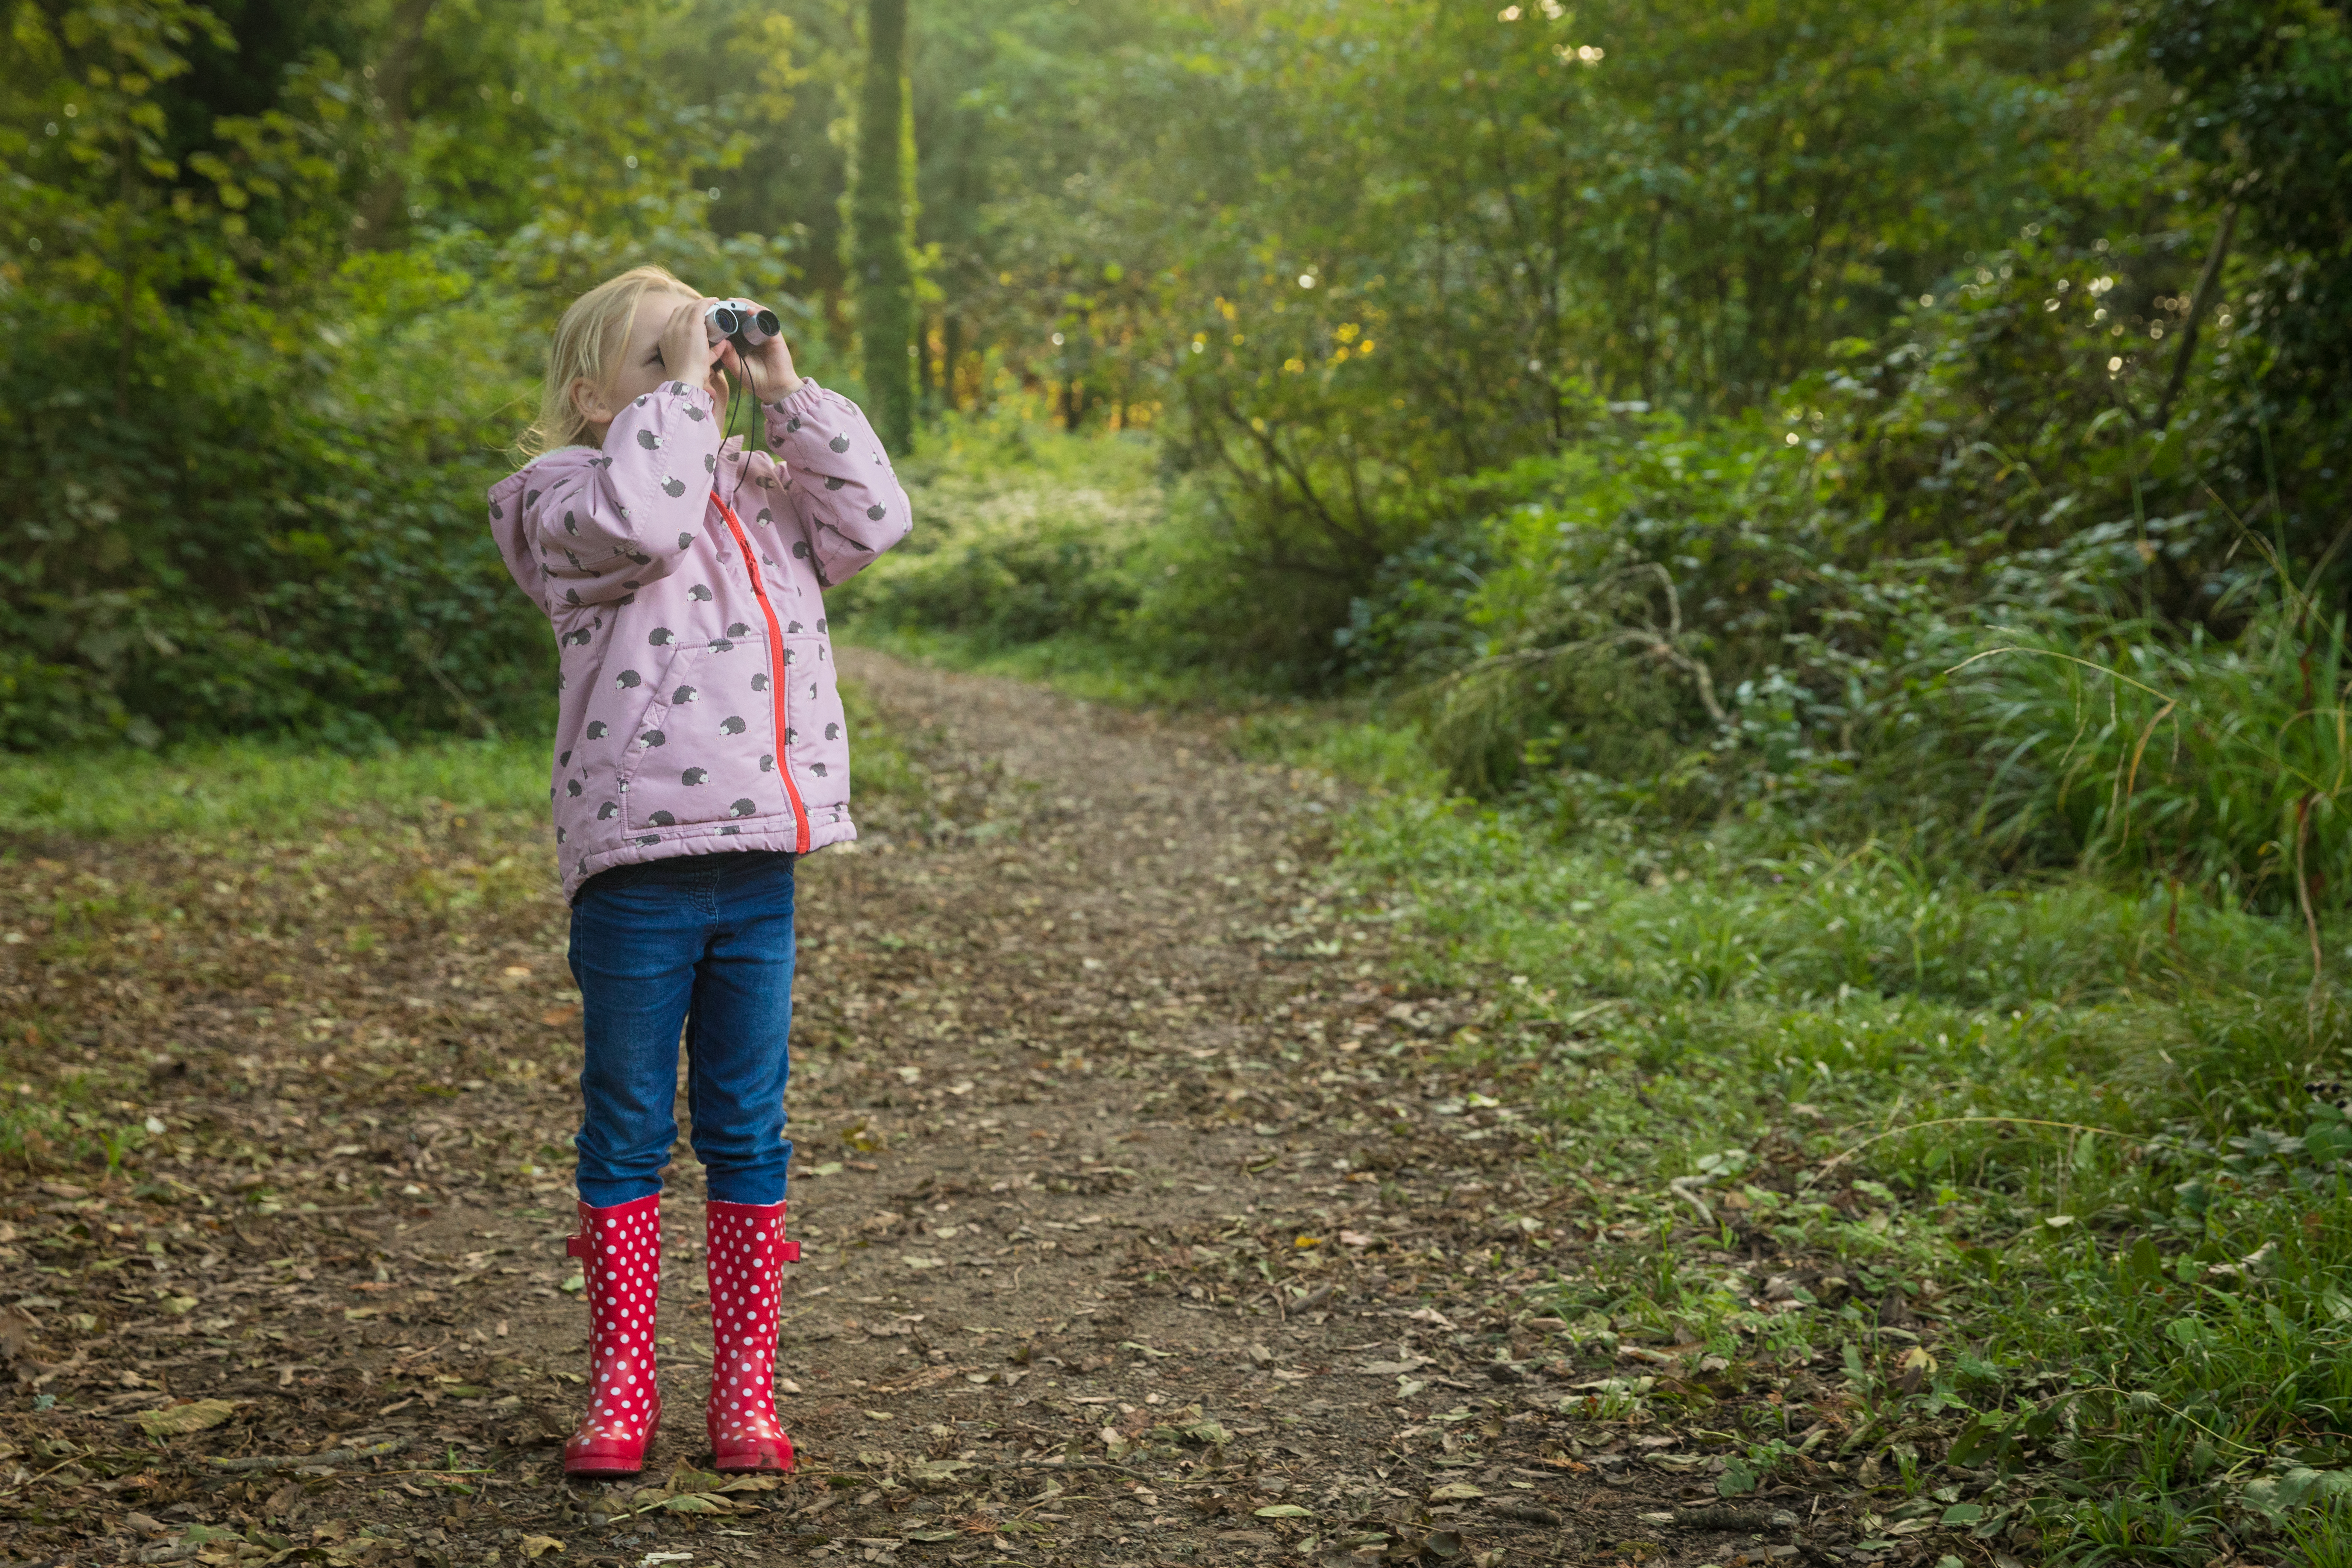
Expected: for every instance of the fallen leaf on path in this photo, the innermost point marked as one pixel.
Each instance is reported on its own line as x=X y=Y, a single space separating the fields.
x=178 y=1420
x=539 y=1545
x=938 y=1475
x=1283 y=1510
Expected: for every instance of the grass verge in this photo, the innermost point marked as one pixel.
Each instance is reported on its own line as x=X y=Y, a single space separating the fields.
x=248 y=787
x=2033 y=1165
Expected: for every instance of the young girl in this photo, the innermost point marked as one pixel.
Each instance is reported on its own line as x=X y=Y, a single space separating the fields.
x=699 y=748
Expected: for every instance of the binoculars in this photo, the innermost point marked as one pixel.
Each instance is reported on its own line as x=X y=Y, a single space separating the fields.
x=740 y=322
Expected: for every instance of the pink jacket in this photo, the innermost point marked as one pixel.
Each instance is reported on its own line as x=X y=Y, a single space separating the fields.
x=684 y=577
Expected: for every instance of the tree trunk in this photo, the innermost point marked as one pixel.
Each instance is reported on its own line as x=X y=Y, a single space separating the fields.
x=380 y=210
x=127 y=267
x=881 y=226
x=951 y=351
x=925 y=378
x=2185 y=351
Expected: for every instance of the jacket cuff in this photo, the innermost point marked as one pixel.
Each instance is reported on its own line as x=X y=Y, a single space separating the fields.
x=804 y=400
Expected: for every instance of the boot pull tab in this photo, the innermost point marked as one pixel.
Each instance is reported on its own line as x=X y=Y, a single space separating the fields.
x=790 y=1251
x=576 y=1246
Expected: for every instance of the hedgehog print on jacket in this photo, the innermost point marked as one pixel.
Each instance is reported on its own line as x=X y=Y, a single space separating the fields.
x=641 y=555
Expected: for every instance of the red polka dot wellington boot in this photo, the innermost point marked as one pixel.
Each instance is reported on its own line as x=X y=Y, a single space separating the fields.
x=619 y=1251
x=747 y=1250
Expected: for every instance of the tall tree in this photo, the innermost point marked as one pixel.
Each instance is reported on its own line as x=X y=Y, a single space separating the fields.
x=881 y=225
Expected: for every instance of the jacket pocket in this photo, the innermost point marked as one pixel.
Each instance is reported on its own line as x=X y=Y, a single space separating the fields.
x=625 y=705
x=706 y=750
x=818 y=737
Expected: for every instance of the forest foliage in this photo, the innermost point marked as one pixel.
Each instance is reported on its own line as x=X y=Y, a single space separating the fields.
x=1795 y=407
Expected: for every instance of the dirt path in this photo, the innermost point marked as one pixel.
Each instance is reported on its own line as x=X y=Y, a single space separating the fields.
x=1142 y=1223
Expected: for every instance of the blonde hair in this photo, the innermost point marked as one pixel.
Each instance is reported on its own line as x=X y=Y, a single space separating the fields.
x=592 y=332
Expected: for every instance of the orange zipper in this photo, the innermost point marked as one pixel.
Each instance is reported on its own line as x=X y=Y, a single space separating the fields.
x=775 y=676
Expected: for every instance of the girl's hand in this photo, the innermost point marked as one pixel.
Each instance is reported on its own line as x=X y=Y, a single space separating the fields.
x=687 y=351
x=770 y=367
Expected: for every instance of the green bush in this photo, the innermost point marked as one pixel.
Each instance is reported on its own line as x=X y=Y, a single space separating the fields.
x=274 y=539
x=1020 y=535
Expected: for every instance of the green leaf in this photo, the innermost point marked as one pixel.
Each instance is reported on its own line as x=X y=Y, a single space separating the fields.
x=1963 y=1513
x=1284 y=1510
x=1739 y=1478
x=1976 y=1442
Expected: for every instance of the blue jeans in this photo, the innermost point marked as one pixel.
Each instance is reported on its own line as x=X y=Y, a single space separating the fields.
x=702 y=943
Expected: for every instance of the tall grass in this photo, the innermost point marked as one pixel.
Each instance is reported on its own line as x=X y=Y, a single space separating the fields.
x=2220 y=766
